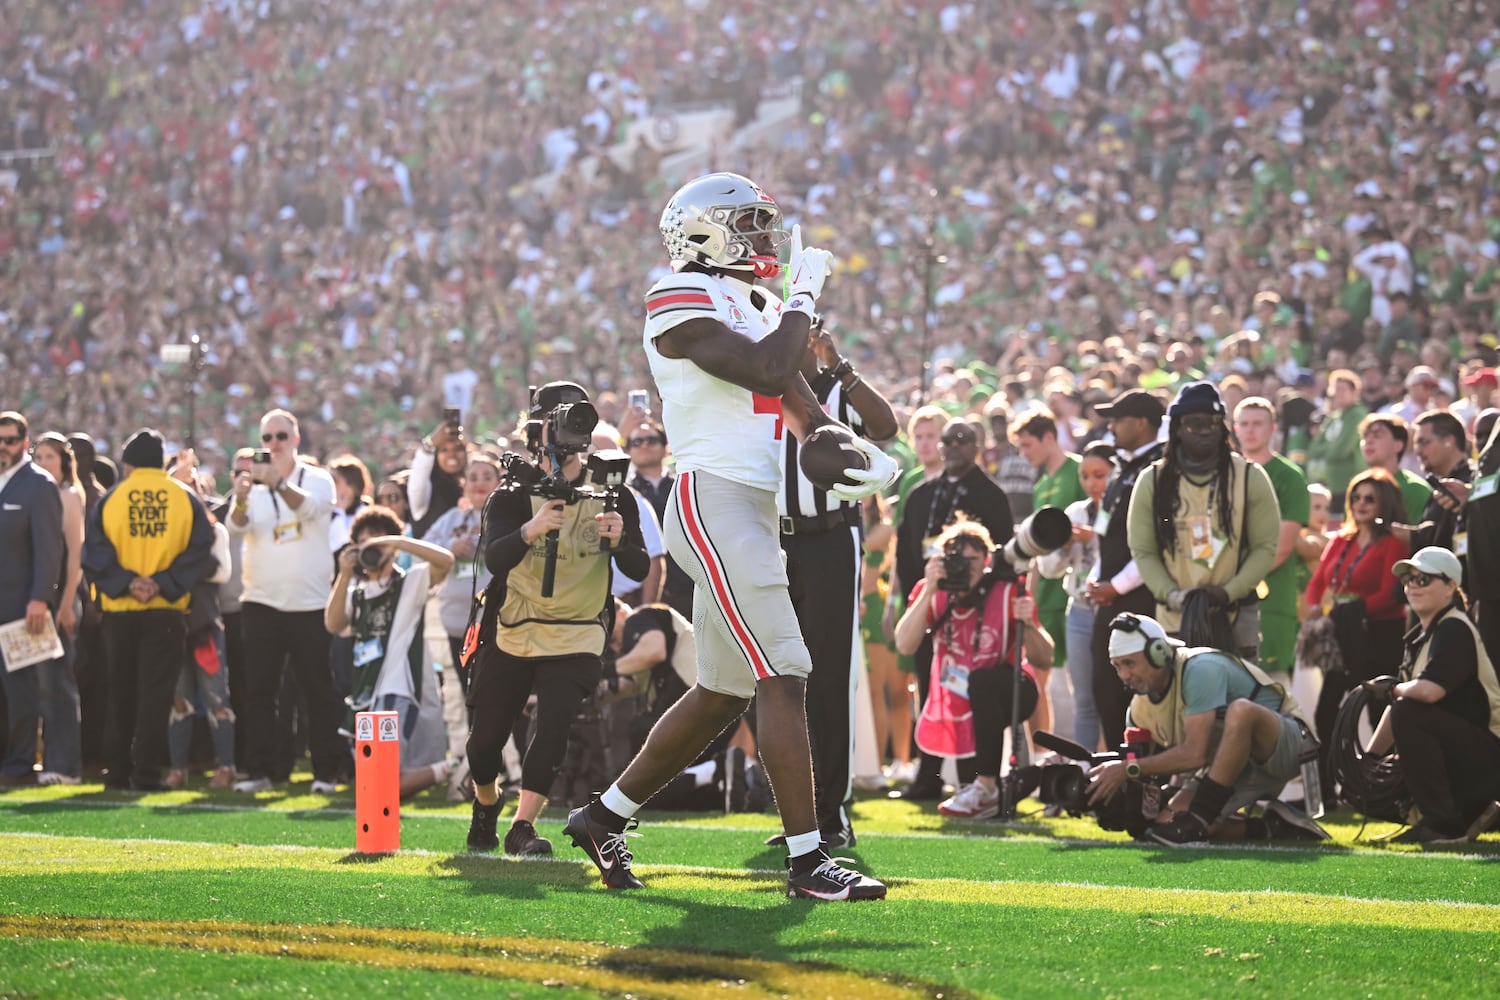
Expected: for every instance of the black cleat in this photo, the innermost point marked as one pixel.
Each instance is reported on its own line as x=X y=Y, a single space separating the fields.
x=482 y=835
x=605 y=848
x=1185 y=828
x=829 y=881
x=1285 y=823
x=522 y=839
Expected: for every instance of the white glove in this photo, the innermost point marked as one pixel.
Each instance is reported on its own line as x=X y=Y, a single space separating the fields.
x=809 y=268
x=880 y=475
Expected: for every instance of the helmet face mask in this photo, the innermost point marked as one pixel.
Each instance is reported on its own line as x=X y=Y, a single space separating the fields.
x=717 y=220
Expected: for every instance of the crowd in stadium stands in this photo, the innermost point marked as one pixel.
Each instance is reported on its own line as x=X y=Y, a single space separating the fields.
x=1052 y=203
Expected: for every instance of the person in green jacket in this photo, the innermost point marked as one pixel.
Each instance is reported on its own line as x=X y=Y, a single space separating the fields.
x=1333 y=456
x=1255 y=427
x=1057 y=485
x=1383 y=440
x=1202 y=518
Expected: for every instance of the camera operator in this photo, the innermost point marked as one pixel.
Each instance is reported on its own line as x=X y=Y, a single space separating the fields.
x=384 y=609
x=1444 y=713
x=970 y=613
x=1210 y=710
x=549 y=645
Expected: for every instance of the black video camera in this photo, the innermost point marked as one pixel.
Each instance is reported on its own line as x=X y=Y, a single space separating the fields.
x=955 y=576
x=1067 y=785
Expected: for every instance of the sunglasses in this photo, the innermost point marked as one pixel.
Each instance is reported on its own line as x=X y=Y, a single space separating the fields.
x=10 y=440
x=388 y=498
x=637 y=442
x=1200 y=422
x=268 y=437
x=957 y=439
x=1420 y=580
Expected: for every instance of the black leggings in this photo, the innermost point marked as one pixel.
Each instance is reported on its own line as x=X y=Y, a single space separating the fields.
x=497 y=696
x=1452 y=766
x=990 y=694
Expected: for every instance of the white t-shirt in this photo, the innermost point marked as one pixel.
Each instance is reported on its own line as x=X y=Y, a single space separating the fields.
x=715 y=426
x=650 y=535
x=287 y=564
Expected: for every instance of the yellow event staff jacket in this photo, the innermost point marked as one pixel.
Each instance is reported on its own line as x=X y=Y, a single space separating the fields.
x=151 y=525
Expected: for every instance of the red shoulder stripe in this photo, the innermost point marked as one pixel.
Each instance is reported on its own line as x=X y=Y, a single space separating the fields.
x=677 y=298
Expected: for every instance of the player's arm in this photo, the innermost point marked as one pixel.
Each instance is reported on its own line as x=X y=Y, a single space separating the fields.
x=800 y=408
x=765 y=366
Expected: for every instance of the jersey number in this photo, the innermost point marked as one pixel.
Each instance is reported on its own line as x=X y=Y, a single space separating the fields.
x=770 y=404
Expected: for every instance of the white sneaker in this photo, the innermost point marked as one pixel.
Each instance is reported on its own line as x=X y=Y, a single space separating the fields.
x=973 y=801
x=251 y=786
x=322 y=787
x=56 y=778
x=460 y=782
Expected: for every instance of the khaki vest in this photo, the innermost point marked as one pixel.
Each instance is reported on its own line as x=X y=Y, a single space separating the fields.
x=569 y=622
x=1485 y=669
x=1167 y=719
x=1196 y=502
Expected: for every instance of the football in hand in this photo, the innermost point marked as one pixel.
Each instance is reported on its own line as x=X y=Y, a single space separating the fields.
x=826 y=453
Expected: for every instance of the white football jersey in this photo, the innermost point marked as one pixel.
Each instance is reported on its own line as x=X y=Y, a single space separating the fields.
x=713 y=425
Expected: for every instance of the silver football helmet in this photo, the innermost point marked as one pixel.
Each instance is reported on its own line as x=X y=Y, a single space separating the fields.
x=713 y=220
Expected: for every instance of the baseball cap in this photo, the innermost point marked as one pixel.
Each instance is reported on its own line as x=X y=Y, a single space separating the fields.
x=1133 y=403
x=1128 y=640
x=1434 y=560
x=1481 y=376
x=1420 y=374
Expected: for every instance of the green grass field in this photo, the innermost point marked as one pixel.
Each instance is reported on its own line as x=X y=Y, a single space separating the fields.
x=191 y=893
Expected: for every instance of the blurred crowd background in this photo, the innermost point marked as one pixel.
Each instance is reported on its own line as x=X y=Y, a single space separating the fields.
x=367 y=211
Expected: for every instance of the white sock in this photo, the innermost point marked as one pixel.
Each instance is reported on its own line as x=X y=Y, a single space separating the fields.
x=440 y=771
x=703 y=774
x=616 y=802
x=801 y=843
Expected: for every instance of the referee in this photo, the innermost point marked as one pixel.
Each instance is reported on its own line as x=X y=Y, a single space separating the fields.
x=820 y=536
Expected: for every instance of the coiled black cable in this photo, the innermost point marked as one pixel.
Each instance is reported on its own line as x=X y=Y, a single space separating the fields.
x=1374 y=784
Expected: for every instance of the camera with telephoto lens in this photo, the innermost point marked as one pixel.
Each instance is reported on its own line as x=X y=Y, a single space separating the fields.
x=1046 y=530
x=1066 y=786
x=370 y=557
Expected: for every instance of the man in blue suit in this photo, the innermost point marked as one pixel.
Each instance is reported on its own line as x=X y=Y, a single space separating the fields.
x=31 y=576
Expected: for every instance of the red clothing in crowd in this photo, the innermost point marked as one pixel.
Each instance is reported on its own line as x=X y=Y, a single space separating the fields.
x=1344 y=570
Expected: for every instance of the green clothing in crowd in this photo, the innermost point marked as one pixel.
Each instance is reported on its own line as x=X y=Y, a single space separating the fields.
x=1285 y=583
x=1414 y=494
x=1333 y=457
x=1058 y=489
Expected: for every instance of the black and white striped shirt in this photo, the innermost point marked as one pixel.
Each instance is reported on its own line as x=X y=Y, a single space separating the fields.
x=798 y=497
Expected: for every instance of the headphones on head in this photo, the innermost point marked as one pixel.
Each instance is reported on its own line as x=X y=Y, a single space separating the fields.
x=1158 y=651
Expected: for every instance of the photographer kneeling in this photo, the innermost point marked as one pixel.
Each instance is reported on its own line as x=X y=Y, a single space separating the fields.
x=384 y=609
x=547 y=643
x=971 y=614
x=1208 y=709
x=656 y=653
x=1444 y=714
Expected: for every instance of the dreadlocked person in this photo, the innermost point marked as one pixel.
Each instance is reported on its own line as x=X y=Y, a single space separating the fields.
x=1203 y=519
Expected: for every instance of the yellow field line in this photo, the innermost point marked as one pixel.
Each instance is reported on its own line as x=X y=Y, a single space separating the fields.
x=644 y=972
x=36 y=854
